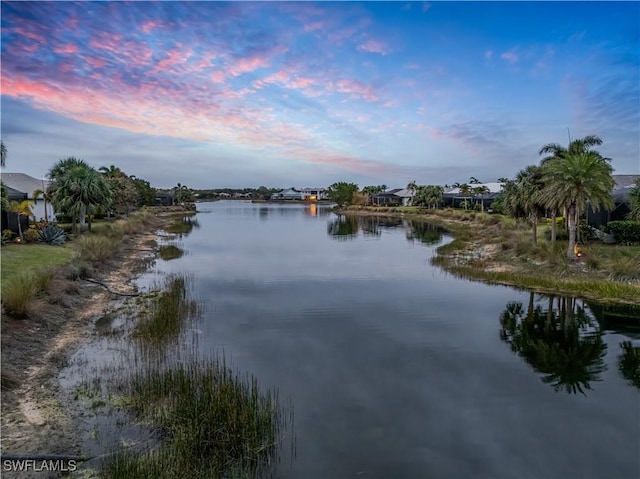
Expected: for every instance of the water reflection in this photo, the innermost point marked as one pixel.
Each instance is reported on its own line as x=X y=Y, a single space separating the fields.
x=183 y=226
x=561 y=341
x=629 y=363
x=348 y=227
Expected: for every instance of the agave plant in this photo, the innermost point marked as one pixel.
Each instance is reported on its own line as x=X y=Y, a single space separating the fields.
x=52 y=235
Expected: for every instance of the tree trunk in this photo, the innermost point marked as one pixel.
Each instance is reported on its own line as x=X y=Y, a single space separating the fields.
x=19 y=227
x=46 y=215
x=571 y=217
x=554 y=226
x=83 y=217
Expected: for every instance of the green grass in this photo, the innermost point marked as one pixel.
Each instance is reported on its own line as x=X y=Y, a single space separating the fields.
x=29 y=257
x=215 y=422
x=21 y=293
x=167 y=313
x=96 y=248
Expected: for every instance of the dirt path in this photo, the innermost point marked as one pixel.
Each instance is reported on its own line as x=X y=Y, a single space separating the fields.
x=34 y=417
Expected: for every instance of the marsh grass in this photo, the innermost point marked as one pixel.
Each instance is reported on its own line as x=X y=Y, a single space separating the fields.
x=216 y=423
x=183 y=226
x=167 y=313
x=22 y=294
x=170 y=251
x=96 y=248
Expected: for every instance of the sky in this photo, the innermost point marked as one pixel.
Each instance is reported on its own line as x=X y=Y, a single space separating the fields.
x=243 y=94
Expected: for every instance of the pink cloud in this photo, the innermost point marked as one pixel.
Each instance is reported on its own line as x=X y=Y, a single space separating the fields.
x=29 y=34
x=217 y=77
x=66 y=49
x=374 y=46
x=356 y=89
x=247 y=65
x=149 y=25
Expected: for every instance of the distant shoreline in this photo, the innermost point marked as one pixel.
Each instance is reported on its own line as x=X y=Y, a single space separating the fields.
x=486 y=249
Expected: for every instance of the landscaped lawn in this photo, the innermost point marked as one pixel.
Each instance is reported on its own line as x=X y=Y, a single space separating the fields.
x=17 y=258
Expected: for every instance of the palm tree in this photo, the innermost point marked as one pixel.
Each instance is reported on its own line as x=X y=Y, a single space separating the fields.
x=77 y=189
x=3 y=154
x=556 y=151
x=474 y=181
x=22 y=208
x=112 y=171
x=480 y=191
x=503 y=179
x=37 y=193
x=574 y=179
x=634 y=200
x=528 y=186
x=412 y=187
x=465 y=191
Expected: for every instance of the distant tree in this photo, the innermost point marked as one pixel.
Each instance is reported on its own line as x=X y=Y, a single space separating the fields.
x=112 y=171
x=429 y=195
x=342 y=193
x=474 y=181
x=146 y=193
x=125 y=196
x=479 y=192
x=503 y=179
x=465 y=192
x=529 y=184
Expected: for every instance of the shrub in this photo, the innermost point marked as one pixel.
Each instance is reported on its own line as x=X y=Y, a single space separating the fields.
x=52 y=235
x=625 y=232
x=96 y=248
x=20 y=293
x=78 y=269
x=7 y=234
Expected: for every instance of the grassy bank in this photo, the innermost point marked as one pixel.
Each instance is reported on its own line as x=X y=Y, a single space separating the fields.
x=496 y=249
x=22 y=258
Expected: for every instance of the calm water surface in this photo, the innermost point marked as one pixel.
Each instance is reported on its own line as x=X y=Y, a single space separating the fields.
x=398 y=370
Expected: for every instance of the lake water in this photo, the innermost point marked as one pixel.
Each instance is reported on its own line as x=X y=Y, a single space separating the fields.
x=396 y=369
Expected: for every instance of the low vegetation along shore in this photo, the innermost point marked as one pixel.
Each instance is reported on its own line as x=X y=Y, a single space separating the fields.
x=496 y=249
x=211 y=421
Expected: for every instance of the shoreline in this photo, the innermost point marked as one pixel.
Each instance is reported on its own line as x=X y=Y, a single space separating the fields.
x=36 y=418
x=477 y=254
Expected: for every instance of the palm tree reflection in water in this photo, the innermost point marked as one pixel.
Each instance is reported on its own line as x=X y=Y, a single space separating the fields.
x=562 y=341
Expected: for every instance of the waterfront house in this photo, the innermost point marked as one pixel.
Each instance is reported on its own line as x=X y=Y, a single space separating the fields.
x=455 y=198
x=27 y=184
x=393 y=197
x=290 y=194
x=164 y=198
x=314 y=194
x=10 y=220
x=621 y=208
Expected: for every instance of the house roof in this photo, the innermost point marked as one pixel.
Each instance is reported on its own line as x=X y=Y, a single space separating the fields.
x=493 y=188
x=624 y=181
x=23 y=182
x=14 y=194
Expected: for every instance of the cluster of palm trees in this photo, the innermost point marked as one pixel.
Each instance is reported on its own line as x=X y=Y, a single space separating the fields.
x=425 y=195
x=568 y=179
x=474 y=189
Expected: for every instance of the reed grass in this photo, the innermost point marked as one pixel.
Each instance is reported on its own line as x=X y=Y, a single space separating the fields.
x=167 y=313
x=22 y=293
x=96 y=248
x=216 y=422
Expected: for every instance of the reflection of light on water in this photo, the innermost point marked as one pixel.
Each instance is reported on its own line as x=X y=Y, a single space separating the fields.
x=313 y=209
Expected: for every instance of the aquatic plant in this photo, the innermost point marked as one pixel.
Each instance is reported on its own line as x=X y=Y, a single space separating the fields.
x=170 y=251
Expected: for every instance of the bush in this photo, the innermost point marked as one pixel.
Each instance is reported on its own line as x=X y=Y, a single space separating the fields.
x=8 y=234
x=625 y=232
x=30 y=236
x=96 y=248
x=20 y=293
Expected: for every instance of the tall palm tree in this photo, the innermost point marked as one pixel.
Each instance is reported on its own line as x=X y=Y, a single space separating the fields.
x=465 y=191
x=474 y=181
x=528 y=187
x=556 y=151
x=37 y=193
x=21 y=208
x=575 y=179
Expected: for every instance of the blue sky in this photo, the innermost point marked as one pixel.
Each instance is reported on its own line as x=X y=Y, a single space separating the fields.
x=214 y=94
